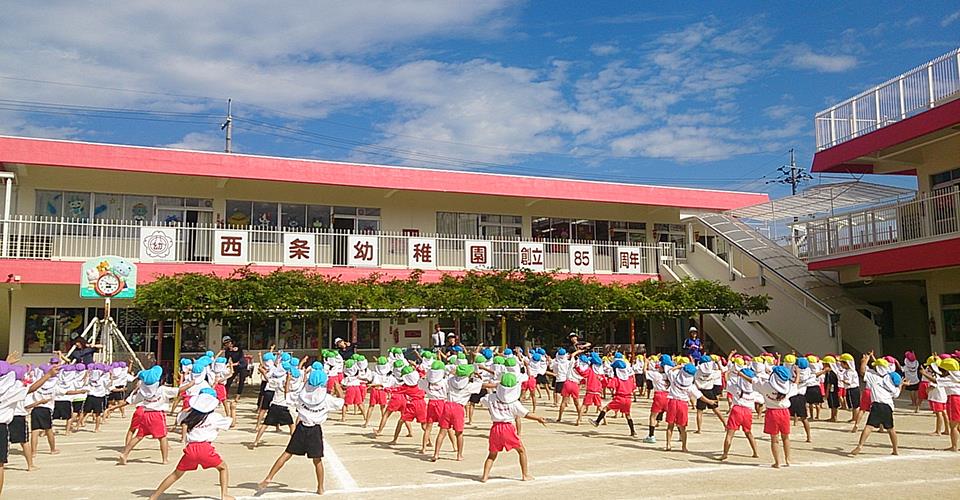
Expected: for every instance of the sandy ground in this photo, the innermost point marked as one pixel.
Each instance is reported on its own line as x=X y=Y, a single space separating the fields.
x=603 y=461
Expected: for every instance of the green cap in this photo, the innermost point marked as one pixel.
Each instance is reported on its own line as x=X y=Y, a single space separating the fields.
x=349 y=363
x=437 y=365
x=464 y=370
x=510 y=362
x=479 y=359
x=461 y=355
x=498 y=360
x=399 y=363
x=358 y=357
x=428 y=354
x=508 y=380
x=382 y=360
x=406 y=370
x=330 y=354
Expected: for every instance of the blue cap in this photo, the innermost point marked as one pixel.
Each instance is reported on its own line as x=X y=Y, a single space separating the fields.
x=295 y=361
x=690 y=369
x=619 y=364
x=895 y=378
x=295 y=372
x=285 y=356
x=487 y=353
x=540 y=351
x=221 y=360
x=199 y=367
x=749 y=372
x=269 y=356
x=209 y=391
x=802 y=363
x=584 y=359
x=317 y=365
x=286 y=365
x=185 y=361
x=457 y=348
x=208 y=354
x=596 y=361
x=705 y=358
x=666 y=360
x=317 y=378
x=561 y=351
x=536 y=356
x=782 y=372
x=151 y=376
x=618 y=355
x=508 y=352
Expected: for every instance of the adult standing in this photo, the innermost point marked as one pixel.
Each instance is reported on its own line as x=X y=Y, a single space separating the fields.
x=575 y=344
x=693 y=346
x=82 y=351
x=437 y=338
x=346 y=349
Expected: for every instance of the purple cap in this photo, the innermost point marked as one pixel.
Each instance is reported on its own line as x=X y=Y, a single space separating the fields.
x=80 y=367
x=5 y=368
x=45 y=367
x=20 y=370
x=54 y=360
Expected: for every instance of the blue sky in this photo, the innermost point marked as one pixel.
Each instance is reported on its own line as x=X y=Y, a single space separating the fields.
x=708 y=94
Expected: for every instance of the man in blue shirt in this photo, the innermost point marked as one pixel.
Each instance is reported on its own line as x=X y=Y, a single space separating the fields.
x=693 y=346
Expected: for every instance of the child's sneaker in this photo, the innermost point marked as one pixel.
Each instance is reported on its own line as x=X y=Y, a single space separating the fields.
x=650 y=440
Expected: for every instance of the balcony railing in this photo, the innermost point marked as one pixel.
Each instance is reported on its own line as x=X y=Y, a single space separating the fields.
x=928 y=218
x=45 y=238
x=911 y=93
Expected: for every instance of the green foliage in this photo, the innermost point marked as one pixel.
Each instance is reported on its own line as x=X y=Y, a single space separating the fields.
x=538 y=300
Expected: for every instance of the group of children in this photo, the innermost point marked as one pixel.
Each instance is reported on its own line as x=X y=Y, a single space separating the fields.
x=439 y=391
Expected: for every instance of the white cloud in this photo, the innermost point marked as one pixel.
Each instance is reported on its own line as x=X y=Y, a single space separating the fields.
x=803 y=57
x=604 y=49
x=199 y=141
x=952 y=18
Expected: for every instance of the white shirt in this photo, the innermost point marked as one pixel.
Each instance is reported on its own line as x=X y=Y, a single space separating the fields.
x=10 y=400
x=158 y=400
x=459 y=390
x=317 y=414
x=880 y=391
x=743 y=393
x=206 y=431
x=436 y=391
x=560 y=368
x=684 y=393
x=47 y=391
x=850 y=379
x=770 y=394
x=501 y=412
x=658 y=380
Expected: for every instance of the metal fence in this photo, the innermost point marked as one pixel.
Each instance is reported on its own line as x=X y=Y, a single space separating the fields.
x=913 y=92
x=928 y=217
x=49 y=238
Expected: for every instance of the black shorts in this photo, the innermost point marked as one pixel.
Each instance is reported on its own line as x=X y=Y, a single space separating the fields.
x=62 y=410
x=710 y=393
x=853 y=398
x=278 y=415
x=542 y=379
x=4 y=443
x=798 y=406
x=558 y=387
x=912 y=387
x=41 y=418
x=240 y=376
x=77 y=406
x=19 y=432
x=476 y=397
x=813 y=395
x=833 y=399
x=94 y=404
x=881 y=416
x=306 y=441
x=266 y=397
x=649 y=385
x=116 y=396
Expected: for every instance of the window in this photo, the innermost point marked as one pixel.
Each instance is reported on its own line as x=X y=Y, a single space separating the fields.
x=675 y=233
x=944 y=179
x=40 y=330
x=291 y=334
x=554 y=228
x=293 y=216
x=145 y=209
x=628 y=232
x=238 y=212
x=482 y=225
x=368 y=334
x=52 y=328
x=950 y=304
x=76 y=205
x=193 y=337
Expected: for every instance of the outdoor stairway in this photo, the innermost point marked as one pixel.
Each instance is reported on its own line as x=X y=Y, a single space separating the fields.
x=809 y=312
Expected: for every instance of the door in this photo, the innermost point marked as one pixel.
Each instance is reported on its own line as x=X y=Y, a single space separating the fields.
x=342 y=226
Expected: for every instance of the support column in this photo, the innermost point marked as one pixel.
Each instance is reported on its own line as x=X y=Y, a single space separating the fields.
x=7 y=197
x=177 y=330
x=503 y=332
x=633 y=338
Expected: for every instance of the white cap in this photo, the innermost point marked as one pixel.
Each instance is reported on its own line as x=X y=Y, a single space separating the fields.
x=451 y=335
x=337 y=340
x=693 y=329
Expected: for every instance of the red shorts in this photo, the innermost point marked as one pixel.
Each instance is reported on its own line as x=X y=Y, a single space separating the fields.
x=776 y=421
x=397 y=402
x=571 y=389
x=333 y=381
x=503 y=437
x=659 y=402
x=530 y=384
x=678 y=412
x=186 y=402
x=435 y=410
x=415 y=409
x=823 y=390
x=592 y=399
x=841 y=393
x=924 y=388
x=153 y=424
x=221 y=391
x=452 y=417
x=740 y=417
x=865 y=400
x=935 y=406
x=135 y=419
x=378 y=397
x=620 y=403
x=200 y=454
x=353 y=395
x=953 y=408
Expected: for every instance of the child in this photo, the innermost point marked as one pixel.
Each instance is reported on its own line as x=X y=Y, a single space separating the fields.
x=12 y=392
x=481 y=365
x=798 y=401
x=434 y=385
x=850 y=382
x=937 y=395
x=574 y=373
x=911 y=379
x=681 y=391
x=831 y=384
x=504 y=407
x=153 y=403
x=40 y=405
x=203 y=425
x=624 y=385
x=951 y=385
x=222 y=371
x=883 y=389
x=278 y=414
x=460 y=387
x=776 y=419
x=19 y=431
x=313 y=405
x=375 y=382
x=62 y=407
x=741 y=411
x=273 y=376
x=396 y=401
x=351 y=383
x=119 y=378
x=657 y=379
x=593 y=378
x=415 y=408
x=708 y=381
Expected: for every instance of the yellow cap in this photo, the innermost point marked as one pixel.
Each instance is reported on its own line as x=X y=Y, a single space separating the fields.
x=769 y=360
x=829 y=359
x=846 y=357
x=950 y=365
x=881 y=362
x=813 y=359
x=932 y=360
x=715 y=357
x=790 y=359
x=738 y=361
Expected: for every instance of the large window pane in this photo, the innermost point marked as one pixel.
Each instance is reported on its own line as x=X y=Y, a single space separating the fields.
x=293 y=216
x=138 y=208
x=318 y=217
x=447 y=223
x=368 y=334
x=367 y=226
x=49 y=203
x=264 y=214
x=238 y=212
x=311 y=333
x=70 y=323
x=40 y=327
x=193 y=337
x=76 y=205
x=107 y=206
x=263 y=333
x=291 y=334
x=468 y=224
x=239 y=331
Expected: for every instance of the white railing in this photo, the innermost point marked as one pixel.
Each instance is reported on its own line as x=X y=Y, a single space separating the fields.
x=930 y=217
x=49 y=238
x=913 y=92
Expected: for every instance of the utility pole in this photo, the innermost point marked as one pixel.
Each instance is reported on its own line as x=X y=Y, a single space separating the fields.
x=227 y=126
x=791 y=174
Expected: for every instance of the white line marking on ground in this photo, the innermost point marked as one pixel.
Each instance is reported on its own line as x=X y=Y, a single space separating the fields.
x=337 y=468
x=579 y=476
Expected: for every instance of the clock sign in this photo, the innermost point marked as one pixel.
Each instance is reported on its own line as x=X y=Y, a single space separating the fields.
x=108 y=285
x=108 y=277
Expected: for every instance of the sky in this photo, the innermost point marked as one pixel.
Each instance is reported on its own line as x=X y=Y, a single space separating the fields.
x=702 y=94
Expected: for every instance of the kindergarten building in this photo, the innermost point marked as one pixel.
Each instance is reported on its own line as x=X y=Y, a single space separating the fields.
x=172 y=211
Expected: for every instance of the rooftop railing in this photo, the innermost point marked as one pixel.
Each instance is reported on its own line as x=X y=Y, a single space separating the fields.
x=911 y=93
x=47 y=238
x=929 y=218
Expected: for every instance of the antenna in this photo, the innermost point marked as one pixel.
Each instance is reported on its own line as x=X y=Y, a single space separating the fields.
x=227 y=126
x=791 y=174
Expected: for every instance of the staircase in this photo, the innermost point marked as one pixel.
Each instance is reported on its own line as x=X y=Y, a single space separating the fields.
x=809 y=312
